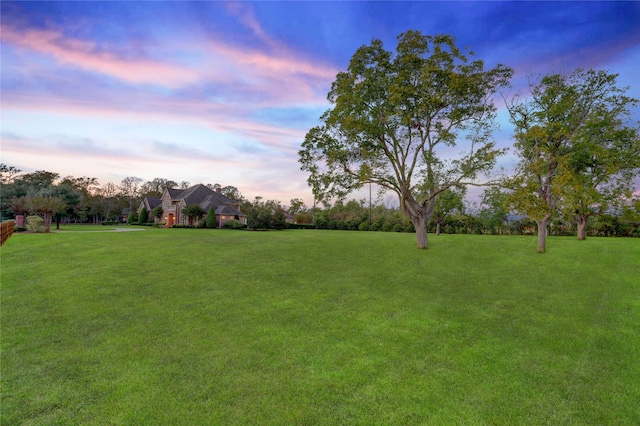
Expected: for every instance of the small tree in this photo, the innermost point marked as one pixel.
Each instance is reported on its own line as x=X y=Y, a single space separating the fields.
x=277 y=220
x=131 y=218
x=211 y=218
x=193 y=212
x=144 y=216
x=157 y=212
x=45 y=207
x=19 y=205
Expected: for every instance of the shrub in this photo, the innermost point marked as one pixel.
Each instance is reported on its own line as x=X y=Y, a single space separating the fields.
x=300 y=226
x=398 y=227
x=233 y=224
x=131 y=218
x=322 y=224
x=144 y=215
x=211 y=219
x=35 y=224
x=352 y=225
x=386 y=227
x=364 y=226
x=375 y=226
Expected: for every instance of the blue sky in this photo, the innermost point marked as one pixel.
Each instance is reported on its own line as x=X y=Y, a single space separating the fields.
x=224 y=92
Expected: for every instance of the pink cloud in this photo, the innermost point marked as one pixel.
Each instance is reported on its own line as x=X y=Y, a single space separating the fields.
x=89 y=56
x=218 y=117
x=274 y=77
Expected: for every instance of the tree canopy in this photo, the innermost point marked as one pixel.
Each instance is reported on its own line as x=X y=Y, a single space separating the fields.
x=395 y=118
x=576 y=151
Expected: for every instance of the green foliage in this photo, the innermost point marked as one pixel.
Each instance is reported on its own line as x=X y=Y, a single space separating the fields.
x=157 y=212
x=144 y=215
x=131 y=218
x=193 y=212
x=35 y=224
x=300 y=226
x=265 y=215
x=277 y=220
x=211 y=219
x=576 y=152
x=233 y=224
x=390 y=115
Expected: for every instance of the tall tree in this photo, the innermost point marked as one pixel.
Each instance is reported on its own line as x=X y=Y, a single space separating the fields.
x=129 y=188
x=568 y=132
x=233 y=193
x=40 y=179
x=296 y=205
x=8 y=173
x=108 y=193
x=155 y=187
x=394 y=116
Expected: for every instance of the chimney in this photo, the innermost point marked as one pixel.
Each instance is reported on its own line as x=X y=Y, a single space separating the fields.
x=219 y=190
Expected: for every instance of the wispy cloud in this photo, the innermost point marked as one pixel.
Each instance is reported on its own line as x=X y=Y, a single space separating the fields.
x=88 y=55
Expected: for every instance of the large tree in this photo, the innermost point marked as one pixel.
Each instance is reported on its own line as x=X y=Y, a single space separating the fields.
x=155 y=188
x=575 y=150
x=396 y=118
x=130 y=190
x=8 y=173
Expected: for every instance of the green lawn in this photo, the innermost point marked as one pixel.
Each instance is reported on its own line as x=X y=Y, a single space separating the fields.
x=184 y=326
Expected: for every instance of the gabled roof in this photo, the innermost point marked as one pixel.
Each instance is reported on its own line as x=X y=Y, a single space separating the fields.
x=228 y=210
x=153 y=202
x=174 y=192
x=206 y=198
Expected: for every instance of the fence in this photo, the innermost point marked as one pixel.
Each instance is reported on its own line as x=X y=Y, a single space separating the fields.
x=6 y=230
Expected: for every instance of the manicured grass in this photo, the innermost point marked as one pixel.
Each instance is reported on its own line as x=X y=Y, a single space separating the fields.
x=183 y=326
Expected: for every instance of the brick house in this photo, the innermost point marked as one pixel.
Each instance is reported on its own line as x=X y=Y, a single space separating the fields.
x=173 y=200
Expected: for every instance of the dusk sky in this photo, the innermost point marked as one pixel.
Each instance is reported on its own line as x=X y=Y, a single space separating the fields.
x=224 y=92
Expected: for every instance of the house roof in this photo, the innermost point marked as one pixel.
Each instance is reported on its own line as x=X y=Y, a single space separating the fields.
x=153 y=202
x=206 y=198
x=228 y=210
x=174 y=192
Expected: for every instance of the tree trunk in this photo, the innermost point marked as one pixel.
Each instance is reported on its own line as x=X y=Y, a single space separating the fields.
x=419 y=216
x=47 y=223
x=582 y=227
x=438 y=228
x=542 y=235
x=420 y=223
